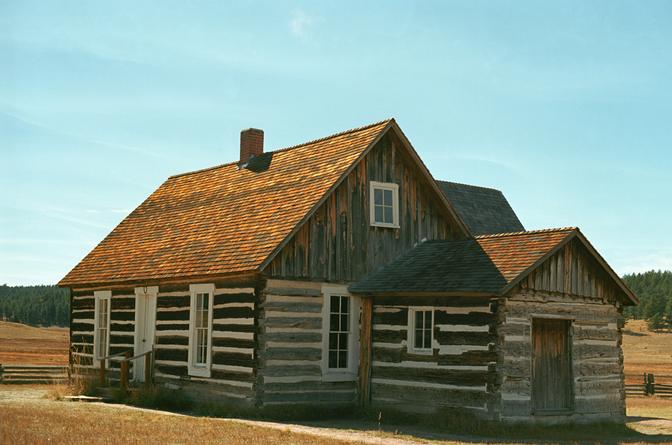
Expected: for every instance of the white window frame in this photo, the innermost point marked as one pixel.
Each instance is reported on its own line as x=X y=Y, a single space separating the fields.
x=340 y=374
x=395 y=203
x=101 y=295
x=194 y=369
x=411 y=330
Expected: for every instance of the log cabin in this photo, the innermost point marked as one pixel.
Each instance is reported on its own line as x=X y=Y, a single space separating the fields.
x=339 y=272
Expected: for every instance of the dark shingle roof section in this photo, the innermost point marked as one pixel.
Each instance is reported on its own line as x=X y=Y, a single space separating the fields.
x=483 y=210
x=436 y=266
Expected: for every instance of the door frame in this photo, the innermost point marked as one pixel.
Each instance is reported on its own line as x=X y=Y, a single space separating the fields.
x=570 y=351
x=142 y=294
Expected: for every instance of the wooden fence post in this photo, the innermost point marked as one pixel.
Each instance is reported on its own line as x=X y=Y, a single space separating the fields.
x=124 y=372
x=148 y=369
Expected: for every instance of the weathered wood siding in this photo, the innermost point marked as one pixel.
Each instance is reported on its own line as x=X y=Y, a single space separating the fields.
x=338 y=243
x=233 y=340
x=597 y=357
x=572 y=270
x=122 y=328
x=290 y=348
x=460 y=373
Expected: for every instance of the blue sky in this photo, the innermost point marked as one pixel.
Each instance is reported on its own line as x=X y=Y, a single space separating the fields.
x=564 y=106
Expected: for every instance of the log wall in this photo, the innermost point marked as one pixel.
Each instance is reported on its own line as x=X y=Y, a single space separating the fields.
x=233 y=339
x=597 y=357
x=460 y=372
x=122 y=329
x=338 y=243
x=290 y=348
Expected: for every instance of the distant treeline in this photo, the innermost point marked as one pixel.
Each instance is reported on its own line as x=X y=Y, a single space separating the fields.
x=654 y=289
x=35 y=305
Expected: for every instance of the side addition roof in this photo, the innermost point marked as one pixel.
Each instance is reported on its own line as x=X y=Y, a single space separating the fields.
x=483 y=210
x=488 y=264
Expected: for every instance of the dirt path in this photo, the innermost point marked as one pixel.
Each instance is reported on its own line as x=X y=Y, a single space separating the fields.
x=33 y=399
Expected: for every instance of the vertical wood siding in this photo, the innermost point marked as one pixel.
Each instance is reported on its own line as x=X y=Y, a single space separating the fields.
x=460 y=372
x=338 y=243
x=290 y=348
x=572 y=270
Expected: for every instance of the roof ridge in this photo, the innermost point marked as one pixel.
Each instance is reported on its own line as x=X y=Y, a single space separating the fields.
x=527 y=232
x=291 y=147
x=468 y=185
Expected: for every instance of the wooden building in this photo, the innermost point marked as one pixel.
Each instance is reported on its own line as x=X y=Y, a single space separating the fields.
x=339 y=272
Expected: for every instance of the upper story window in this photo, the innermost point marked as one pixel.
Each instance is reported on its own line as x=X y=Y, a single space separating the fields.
x=200 y=329
x=101 y=335
x=384 y=204
x=420 y=330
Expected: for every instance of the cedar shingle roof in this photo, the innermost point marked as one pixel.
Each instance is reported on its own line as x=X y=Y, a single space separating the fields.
x=513 y=253
x=223 y=219
x=483 y=210
x=484 y=264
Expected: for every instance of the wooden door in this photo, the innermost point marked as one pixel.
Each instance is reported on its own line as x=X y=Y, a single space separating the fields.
x=145 y=321
x=551 y=366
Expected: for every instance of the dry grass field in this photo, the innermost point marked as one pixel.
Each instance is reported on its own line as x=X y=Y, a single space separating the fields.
x=646 y=351
x=26 y=418
x=21 y=344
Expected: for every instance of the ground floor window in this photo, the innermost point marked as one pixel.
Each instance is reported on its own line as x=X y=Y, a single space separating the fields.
x=200 y=329
x=101 y=340
x=420 y=330
x=340 y=333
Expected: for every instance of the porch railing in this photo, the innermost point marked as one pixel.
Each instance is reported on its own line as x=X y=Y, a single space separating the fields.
x=124 y=368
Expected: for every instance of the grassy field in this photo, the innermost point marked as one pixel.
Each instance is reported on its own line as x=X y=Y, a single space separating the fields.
x=38 y=420
x=21 y=344
x=646 y=351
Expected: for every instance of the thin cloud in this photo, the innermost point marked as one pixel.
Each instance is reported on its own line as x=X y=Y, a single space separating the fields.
x=301 y=23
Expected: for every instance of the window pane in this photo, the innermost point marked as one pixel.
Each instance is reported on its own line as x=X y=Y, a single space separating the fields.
x=418 y=320
x=388 y=215
x=333 y=341
x=343 y=341
x=344 y=323
x=344 y=305
x=333 y=359
x=334 y=304
x=343 y=359
x=333 y=322
x=378 y=196
x=387 y=194
x=418 y=339
x=378 y=214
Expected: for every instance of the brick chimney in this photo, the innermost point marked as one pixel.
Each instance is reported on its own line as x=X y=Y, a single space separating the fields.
x=251 y=144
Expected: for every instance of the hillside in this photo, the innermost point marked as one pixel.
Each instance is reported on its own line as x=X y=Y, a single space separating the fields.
x=23 y=344
x=646 y=351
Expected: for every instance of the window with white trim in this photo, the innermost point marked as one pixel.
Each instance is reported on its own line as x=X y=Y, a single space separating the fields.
x=340 y=325
x=200 y=329
x=101 y=334
x=384 y=204
x=420 y=330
